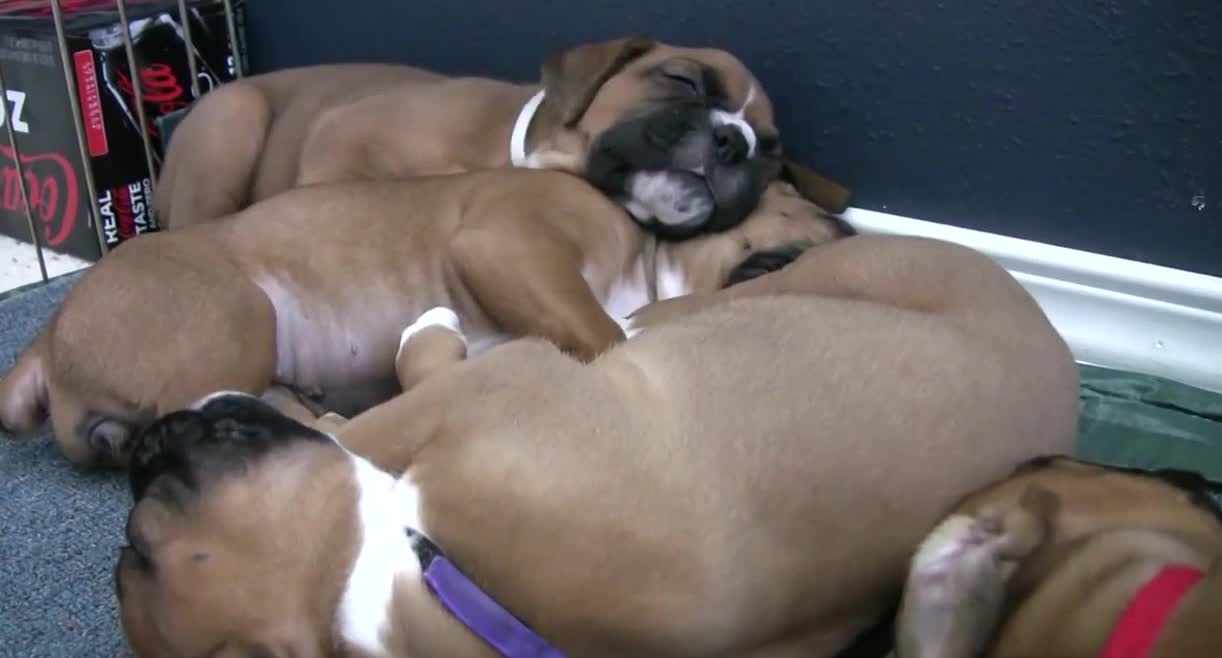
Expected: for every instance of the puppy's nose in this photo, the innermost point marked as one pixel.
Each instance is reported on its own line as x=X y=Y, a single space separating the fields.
x=731 y=145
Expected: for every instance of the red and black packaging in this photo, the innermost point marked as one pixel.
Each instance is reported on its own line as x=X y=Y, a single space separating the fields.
x=39 y=106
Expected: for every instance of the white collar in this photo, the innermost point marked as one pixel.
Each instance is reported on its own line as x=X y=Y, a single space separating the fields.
x=517 y=139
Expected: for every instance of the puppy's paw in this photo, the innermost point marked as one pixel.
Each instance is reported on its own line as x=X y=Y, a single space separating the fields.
x=956 y=547
x=955 y=590
x=438 y=316
x=673 y=198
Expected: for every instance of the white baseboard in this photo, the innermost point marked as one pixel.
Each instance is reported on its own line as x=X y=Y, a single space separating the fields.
x=1114 y=313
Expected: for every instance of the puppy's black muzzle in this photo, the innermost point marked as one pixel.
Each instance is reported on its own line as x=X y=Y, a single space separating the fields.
x=228 y=432
x=681 y=137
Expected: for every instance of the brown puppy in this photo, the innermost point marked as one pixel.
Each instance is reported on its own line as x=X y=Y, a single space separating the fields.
x=683 y=137
x=310 y=290
x=744 y=481
x=1121 y=564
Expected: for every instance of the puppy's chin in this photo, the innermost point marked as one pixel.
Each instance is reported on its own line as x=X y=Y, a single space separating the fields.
x=680 y=204
x=679 y=201
x=676 y=174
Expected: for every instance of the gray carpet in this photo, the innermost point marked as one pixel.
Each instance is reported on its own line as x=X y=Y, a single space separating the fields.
x=60 y=527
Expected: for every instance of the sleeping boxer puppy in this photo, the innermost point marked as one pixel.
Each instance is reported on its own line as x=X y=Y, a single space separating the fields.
x=1117 y=563
x=683 y=137
x=310 y=289
x=747 y=480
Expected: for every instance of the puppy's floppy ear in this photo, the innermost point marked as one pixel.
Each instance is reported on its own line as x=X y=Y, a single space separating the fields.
x=820 y=190
x=572 y=77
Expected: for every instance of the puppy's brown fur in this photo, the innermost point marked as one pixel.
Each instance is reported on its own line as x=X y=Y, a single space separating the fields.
x=1109 y=532
x=259 y=136
x=744 y=478
x=310 y=290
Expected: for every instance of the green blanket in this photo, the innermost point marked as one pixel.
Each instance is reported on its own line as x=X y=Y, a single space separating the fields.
x=1147 y=422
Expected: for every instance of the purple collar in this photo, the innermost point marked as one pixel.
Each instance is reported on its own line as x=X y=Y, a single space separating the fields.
x=474 y=608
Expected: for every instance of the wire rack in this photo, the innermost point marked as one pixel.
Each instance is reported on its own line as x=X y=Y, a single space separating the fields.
x=93 y=207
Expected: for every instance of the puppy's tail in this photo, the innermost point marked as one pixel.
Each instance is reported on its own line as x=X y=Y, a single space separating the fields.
x=23 y=390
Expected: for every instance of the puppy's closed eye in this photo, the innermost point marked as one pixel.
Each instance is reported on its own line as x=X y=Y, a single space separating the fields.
x=767 y=260
x=684 y=83
x=682 y=76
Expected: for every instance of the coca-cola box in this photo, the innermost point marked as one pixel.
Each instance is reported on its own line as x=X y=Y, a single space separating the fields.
x=38 y=105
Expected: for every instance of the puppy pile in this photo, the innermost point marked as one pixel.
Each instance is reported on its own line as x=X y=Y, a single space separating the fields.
x=454 y=367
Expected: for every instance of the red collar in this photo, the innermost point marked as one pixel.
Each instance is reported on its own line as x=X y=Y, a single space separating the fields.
x=1148 y=612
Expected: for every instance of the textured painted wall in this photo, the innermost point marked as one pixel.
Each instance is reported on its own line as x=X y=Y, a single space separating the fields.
x=1092 y=125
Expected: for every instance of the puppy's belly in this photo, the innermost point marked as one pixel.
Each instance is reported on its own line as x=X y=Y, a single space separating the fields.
x=344 y=376
x=341 y=354
x=349 y=386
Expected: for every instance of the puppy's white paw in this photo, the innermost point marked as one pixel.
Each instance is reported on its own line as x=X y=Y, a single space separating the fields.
x=438 y=316
x=955 y=590
x=955 y=539
x=960 y=561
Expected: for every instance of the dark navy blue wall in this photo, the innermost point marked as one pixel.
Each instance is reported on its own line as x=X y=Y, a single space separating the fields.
x=1093 y=125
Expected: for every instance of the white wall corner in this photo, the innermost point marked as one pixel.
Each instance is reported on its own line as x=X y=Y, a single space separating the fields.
x=1114 y=313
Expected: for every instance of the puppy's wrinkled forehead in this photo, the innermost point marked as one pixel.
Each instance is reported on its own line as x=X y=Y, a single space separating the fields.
x=1196 y=488
x=220 y=435
x=725 y=80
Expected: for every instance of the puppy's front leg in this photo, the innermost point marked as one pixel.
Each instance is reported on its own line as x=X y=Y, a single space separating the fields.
x=531 y=285
x=434 y=341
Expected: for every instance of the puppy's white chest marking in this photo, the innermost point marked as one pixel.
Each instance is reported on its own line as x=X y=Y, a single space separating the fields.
x=738 y=119
x=627 y=293
x=386 y=507
x=671 y=283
